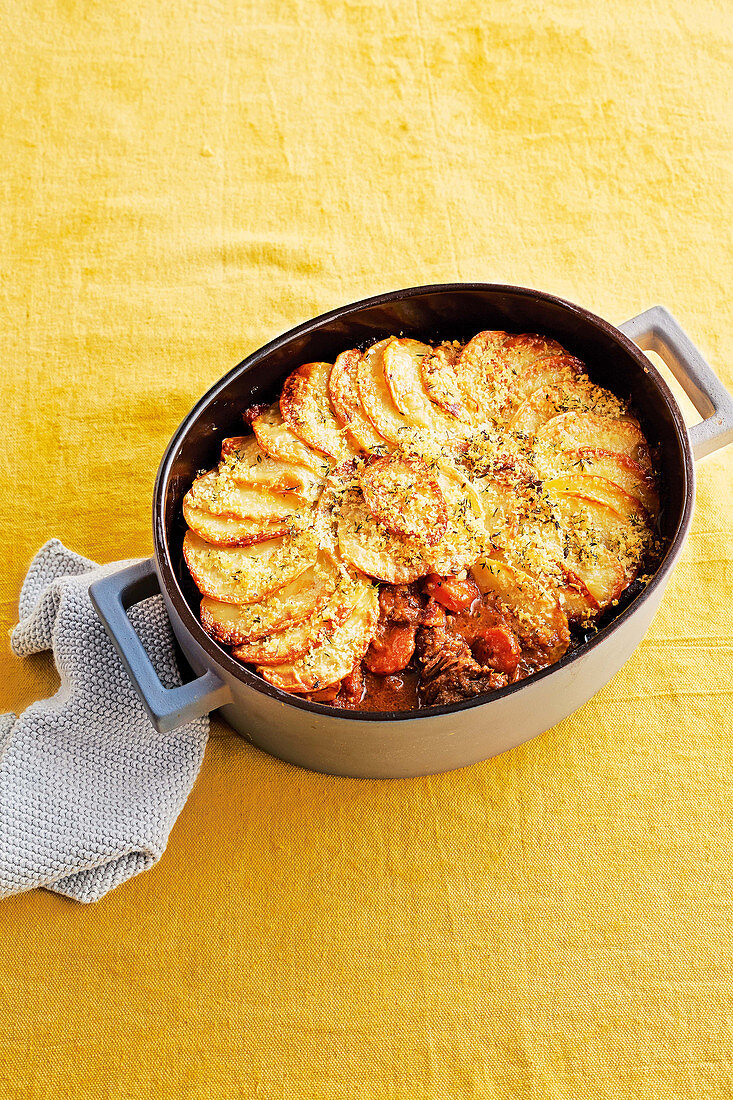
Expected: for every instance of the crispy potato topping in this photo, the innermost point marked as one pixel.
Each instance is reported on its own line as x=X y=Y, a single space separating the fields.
x=498 y=462
x=402 y=494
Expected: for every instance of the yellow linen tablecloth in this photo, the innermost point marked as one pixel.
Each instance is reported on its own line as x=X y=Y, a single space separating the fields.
x=181 y=182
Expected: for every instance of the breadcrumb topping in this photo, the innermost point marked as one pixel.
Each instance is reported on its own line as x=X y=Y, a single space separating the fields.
x=498 y=457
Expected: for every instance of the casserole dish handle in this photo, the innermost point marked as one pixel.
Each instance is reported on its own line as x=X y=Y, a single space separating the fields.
x=168 y=707
x=657 y=330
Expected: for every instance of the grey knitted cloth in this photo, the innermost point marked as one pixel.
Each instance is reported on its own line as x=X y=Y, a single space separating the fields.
x=88 y=790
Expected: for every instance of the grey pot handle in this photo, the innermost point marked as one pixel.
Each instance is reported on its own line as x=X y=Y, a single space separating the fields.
x=168 y=707
x=657 y=330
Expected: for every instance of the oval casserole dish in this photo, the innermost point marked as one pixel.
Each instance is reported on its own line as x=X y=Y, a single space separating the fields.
x=429 y=739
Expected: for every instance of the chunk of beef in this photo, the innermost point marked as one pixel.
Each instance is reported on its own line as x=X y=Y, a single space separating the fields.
x=450 y=672
x=433 y=614
x=399 y=603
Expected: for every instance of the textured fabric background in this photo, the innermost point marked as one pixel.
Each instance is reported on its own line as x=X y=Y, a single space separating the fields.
x=179 y=183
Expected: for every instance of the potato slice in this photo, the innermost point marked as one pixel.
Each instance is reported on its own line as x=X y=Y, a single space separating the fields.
x=397 y=559
x=584 y=580
x=572 y=430
x=249 y=465
x=276 y=440
x=247 y=574
x=287 y=645
x=402 y=363
x=236 y=445
x=306 y=409
x=220 y=495
x=520 y=351
x=344 y=393
x=493 y=368
x=549 y=548
x=601 y=576
x=465 y=534
x=371 y=548
x=501 y=505
x=535 y=606
x=402 y=494
x=483 y=376
x=553 y=371
x=334 y=656
x=575 y=599
x=599 y=489
x=230 y=531
x=237 y=624
x=438 y=370
x=578 y=395
x=376 y=399
x=603 y=549
x=594 y=461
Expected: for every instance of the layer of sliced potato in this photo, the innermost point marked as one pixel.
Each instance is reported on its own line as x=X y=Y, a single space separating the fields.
x=276 y=440
x=219 y=494
x=306 y=409
x=571 y=555
x=247 y=574
x=595 y=462
x=402 y=369
x=372 y=549
x=573 y=430
x=248 y=464
x=236 y=624
x=343 y=390
x=557 y=513
x=403 y=494
x=230 y=531
x=575 y=599
x=601 y=576
x=519 y=352
x=439 y=373
x=578 y=394
x=617 y=521
x=376 y=399
x=500 y=505
x=534 y=605
x=287 y=645
x=465 y=533
x=483 y=376
x=601 y=490
x=398 y=559
x=334 y=656
x=563 y=371
x=601 y=545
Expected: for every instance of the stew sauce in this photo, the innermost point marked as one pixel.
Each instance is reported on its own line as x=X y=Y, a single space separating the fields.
x=438 y=641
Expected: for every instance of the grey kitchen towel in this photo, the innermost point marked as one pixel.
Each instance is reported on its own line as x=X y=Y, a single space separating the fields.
x=89 y=790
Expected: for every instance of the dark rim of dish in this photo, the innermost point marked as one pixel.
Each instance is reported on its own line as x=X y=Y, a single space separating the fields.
x=221 y=656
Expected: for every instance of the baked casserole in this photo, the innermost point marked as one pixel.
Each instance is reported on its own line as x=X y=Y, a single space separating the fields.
x=417 y=524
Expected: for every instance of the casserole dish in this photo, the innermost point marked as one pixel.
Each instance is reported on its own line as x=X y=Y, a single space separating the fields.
x=430 y=739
